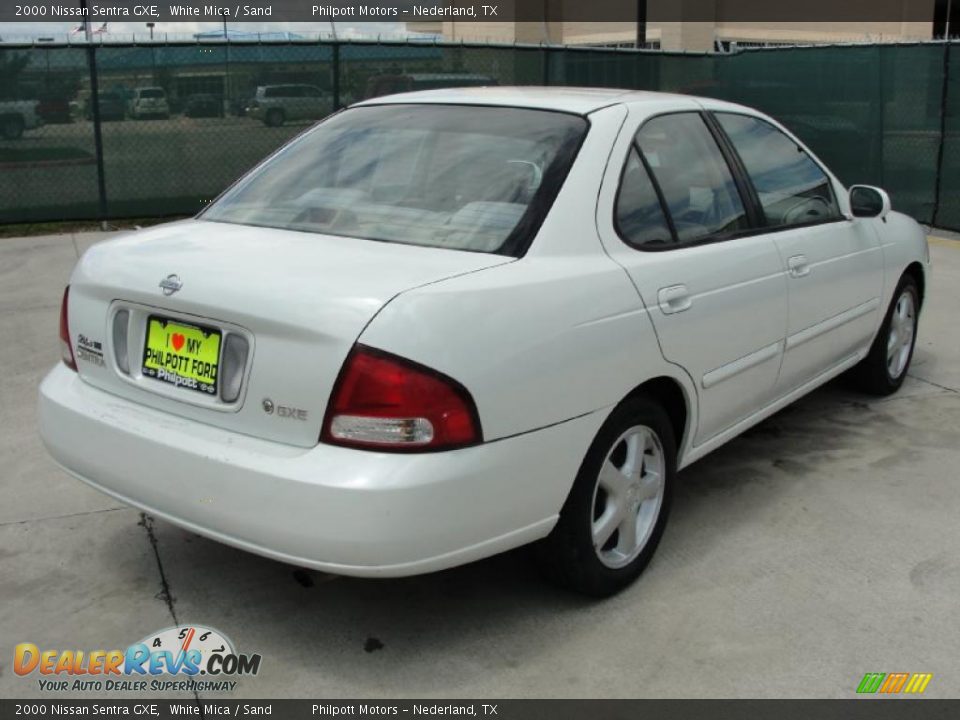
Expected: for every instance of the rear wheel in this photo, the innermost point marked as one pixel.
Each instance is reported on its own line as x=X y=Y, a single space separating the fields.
x=11 y=127
x=884 y=369
x=615 y=514
x=274 y=117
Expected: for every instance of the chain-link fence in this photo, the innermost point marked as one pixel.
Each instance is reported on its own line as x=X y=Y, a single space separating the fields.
x=174 y=124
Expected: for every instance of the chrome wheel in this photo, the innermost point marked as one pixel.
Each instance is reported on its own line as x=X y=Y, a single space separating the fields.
x=903 y=324
x=628 y=496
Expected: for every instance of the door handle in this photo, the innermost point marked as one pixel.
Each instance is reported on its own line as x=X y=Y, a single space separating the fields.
x=674 y=299
x=798 y=266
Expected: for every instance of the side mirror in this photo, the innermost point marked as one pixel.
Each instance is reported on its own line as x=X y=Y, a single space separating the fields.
x=869 y=202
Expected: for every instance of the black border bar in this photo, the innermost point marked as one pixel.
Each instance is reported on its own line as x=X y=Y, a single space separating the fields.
x=648 y=12
x=873 y=708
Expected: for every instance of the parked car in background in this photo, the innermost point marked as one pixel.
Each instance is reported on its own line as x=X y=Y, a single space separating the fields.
x=460 y=321
x=54 y=110
x=389 y=84
x=113 y=106
x=238 y=105
x=276 y=104
x=149 y=102
x=205 y=105
x=17 y=116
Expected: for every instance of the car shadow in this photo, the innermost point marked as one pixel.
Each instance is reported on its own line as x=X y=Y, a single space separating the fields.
x=364 y=632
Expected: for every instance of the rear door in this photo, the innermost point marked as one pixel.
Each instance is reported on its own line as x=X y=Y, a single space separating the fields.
x=313 y=102
x=296 y=102
x=834 y=265
x=679 y=224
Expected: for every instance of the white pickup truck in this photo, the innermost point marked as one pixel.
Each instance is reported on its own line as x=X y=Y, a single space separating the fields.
x=17 y=116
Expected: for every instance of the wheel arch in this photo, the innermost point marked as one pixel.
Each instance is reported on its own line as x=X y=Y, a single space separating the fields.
x=674 y=399
x=915 y=270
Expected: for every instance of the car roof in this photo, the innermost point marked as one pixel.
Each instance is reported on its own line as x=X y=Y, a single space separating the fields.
x=564 y=99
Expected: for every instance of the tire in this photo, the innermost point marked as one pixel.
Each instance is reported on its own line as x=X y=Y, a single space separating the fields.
x=884 y=369
x=274 y=118
x=569 y=555
x=11 y=127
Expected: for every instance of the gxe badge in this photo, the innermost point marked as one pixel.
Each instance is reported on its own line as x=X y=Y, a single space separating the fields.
x=283 y=410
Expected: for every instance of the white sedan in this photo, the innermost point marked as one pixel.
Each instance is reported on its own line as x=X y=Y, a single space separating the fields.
x=441 y=325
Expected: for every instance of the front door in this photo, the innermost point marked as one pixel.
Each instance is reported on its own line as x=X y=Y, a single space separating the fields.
x=834 y=265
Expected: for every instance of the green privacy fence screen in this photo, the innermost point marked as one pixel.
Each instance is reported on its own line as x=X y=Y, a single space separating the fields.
x=178 y=122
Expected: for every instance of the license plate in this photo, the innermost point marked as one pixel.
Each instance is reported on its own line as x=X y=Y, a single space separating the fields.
x=182 y=355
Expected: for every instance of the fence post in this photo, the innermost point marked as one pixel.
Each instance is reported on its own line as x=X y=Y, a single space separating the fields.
x=97 y=136
x=944 y=97
x=226 y=75
x=336 y=75
x=877 y=149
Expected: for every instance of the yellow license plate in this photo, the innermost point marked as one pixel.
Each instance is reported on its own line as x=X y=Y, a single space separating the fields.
x=182 y=355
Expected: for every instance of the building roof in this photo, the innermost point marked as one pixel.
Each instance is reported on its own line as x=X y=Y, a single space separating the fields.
x=567 y=99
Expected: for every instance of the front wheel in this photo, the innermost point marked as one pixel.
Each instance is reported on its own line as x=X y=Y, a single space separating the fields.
x=884 y=369
x=615 y=514
x=11 y=127
x=274 y=118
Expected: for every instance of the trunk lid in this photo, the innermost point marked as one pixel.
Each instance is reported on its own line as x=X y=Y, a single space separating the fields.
x=300 y=300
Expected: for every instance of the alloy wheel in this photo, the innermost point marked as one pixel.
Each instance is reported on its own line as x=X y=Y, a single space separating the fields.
x=903 y=323
x=628 y=496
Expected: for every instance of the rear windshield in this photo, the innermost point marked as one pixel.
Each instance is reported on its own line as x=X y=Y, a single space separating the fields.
x=467 y=178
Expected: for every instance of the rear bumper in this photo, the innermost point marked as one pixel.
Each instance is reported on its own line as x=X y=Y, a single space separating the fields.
x=335 y=509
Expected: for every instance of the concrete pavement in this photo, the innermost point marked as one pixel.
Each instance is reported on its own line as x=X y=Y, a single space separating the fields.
x=822 y=545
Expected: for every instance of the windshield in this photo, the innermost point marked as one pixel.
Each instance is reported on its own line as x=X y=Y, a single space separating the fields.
x=461 y=177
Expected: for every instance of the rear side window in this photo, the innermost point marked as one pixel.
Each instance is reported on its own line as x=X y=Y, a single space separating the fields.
x=639 y=215
x=696 y=182
x=792 y=188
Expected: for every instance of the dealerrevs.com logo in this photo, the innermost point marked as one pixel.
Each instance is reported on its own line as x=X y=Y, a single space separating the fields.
x=189 y=658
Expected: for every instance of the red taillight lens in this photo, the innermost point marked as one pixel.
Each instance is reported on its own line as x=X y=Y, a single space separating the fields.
x=66 y=348
x=385 y=402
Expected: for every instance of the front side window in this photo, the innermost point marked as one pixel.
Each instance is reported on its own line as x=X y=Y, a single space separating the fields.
x=696 y=182
x=792 y=188
x=467 y=178
x=639 y=215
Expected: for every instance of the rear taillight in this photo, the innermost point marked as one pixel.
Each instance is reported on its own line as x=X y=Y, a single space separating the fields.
x=385 y=402
x=66 y=348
